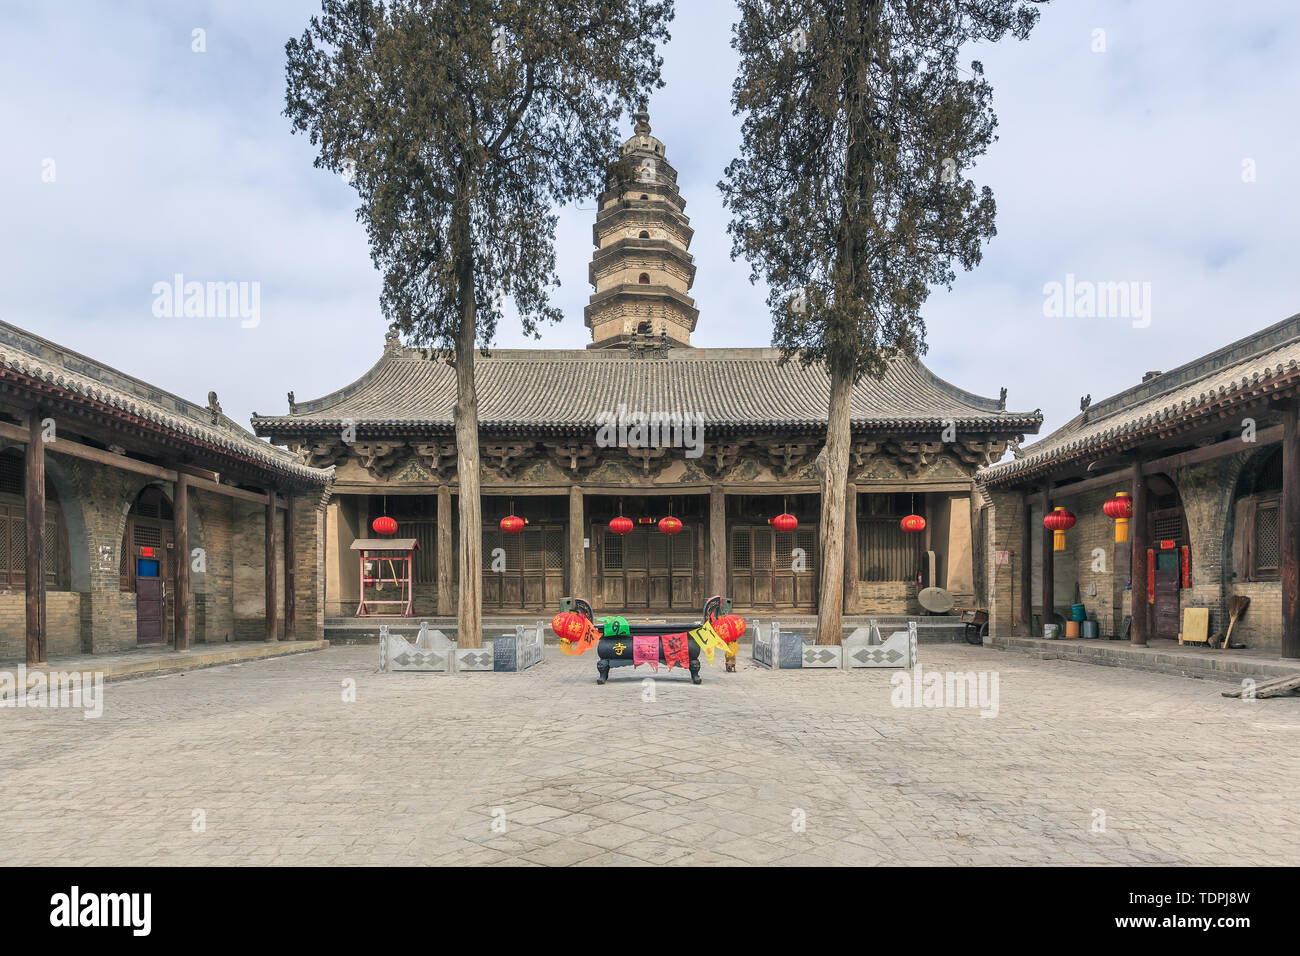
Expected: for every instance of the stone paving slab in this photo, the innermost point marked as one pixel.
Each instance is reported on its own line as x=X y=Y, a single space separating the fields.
x=318 y=759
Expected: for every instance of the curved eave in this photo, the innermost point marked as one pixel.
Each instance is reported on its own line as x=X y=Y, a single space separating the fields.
x=93 y=401
x=1208 y=407
x=293 y=426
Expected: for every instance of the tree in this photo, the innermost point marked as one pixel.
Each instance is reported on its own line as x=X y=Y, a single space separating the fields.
x=850 y=195
x=461 y=124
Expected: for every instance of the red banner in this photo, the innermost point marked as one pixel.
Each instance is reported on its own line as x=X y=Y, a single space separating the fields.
x=676 y=650
x=1186 y=560
x=1151 y=576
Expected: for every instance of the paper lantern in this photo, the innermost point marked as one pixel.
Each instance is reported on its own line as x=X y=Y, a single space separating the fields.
x=384 y=525
x=1058 y=521
x=670 y=525
x=913 y=524
x=513 y=524
x=1119 y=509
x=621 y=525
x=729 y=627
x=784 y=522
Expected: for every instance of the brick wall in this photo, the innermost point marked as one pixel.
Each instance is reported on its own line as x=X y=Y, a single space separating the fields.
x=62 y=617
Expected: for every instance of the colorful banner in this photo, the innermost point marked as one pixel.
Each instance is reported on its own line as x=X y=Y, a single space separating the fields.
x=645 y=650
x=709 y=640
x=677 y=650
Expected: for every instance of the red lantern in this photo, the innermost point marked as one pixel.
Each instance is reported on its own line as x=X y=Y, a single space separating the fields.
x=513 y=524
x=384 y=525
x=1058 y=521
x=729 y=627
x=784 y=522
x=1119 y=509
x=913 y=524
x=670 y=525
x=621 y=525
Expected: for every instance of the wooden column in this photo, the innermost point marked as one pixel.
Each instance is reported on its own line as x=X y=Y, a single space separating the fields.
x=1025 y=564
x=290 y=570
x=272 y=605
x=1049 y=568
x=181 y=561
x=1137 y=534
x=577 y=553
x=34 y=492
x=446 y=586
x=717 y=541
x=851 y=549
x=1290 y=550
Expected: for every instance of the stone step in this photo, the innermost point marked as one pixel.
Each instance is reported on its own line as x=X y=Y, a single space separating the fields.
x=1165 y=657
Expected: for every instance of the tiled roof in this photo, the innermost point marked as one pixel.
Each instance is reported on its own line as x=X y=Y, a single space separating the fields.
x=1260 y=364
x=556 y=390
x=36 y=358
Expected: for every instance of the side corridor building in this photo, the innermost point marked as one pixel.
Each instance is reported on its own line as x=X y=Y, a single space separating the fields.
x=1209 y=455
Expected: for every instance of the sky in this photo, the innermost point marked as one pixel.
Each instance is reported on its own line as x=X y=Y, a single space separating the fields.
x=1151 y=142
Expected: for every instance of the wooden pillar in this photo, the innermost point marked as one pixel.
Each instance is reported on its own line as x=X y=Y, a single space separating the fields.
x=851 y=549
x=1049 y=567
x=577 y=553
x=272 y=605
x=1026 y=567
x=181 y=561
x=34 y=492
x=717 y=541
x=1290 y=550
x=290 y=570
x=446 y=586
x=1137 y=534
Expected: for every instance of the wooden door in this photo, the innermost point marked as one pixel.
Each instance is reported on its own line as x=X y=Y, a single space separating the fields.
x=647 y=570
x=150 y=610
x=771 y=569
x=1167 y=619
x=523 y=571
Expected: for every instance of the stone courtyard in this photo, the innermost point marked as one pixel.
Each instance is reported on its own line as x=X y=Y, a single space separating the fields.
x=267 y=763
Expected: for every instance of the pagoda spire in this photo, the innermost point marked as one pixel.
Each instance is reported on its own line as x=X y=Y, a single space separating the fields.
x=642 y=270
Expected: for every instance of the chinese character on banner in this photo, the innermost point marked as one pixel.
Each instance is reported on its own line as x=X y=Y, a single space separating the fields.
x=1001 y=557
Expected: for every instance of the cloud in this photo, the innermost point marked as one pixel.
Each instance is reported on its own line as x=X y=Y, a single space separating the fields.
x=1122 y=165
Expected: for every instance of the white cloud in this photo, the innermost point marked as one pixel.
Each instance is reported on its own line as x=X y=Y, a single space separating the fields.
x=1115 y=166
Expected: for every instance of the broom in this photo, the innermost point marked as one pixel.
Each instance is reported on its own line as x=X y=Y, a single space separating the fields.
x=1237 y=605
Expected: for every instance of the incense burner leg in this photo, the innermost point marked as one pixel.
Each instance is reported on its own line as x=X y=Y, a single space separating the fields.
x=695 y=672
x=602 y=670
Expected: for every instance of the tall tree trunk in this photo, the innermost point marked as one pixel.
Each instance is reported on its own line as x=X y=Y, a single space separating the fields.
x=470 y=612
x=833 y=463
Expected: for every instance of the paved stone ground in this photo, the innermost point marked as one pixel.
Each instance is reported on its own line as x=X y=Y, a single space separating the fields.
x=413 y=770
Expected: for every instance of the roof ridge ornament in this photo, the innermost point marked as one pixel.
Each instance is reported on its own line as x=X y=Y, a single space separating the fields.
x=392 y=342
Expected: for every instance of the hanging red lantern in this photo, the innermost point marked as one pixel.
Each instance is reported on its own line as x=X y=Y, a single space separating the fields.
x=912 y=524
x=1058 y=521
x=1119 y=509
x=784 y=522
x=670 y=525
x=513 y=524
x=384 y=525
x=621 y=525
